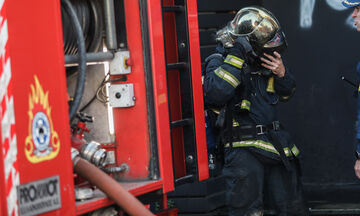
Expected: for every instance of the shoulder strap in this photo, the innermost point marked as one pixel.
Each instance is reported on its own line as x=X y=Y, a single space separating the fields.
x=228 y=131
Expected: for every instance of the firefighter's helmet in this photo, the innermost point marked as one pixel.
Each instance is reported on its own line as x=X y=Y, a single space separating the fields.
x=259 y=25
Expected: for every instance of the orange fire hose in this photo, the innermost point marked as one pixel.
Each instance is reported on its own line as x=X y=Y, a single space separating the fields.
x=111 y=188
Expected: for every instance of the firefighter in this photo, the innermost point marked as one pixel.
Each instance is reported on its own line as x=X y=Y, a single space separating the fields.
x=356 y=16
x=244 y=81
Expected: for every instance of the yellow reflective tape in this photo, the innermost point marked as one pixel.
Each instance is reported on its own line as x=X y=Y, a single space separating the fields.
x=235 y=123
x=234 y=61
x=287 y=152
x=261 y=145
x=351 y=3
x=245 y=104
x=270 y=86
x=285 y=97
x=228 y=77
x=217 y=111
x=295 y=150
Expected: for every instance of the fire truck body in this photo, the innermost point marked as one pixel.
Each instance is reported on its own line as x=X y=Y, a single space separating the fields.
x=36 y=168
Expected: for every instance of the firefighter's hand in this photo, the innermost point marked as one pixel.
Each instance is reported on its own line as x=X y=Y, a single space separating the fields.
x=274 y=63
x=357 y=168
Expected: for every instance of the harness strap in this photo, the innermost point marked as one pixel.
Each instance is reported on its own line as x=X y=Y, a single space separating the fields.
x=251 y=131
x=229 y=122
x=278 y=147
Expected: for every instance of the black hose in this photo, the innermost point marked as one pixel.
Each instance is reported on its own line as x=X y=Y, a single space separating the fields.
x=82 y=58
x=90 y=16
x=96 y=26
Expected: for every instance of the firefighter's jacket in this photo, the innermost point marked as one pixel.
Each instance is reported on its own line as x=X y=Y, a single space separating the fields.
x=358 y=112
x=226 y=78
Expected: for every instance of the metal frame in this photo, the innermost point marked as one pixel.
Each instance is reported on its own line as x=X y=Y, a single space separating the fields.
x=160 y=93
x=185 y=90
x=199 y=116
x=133 y=149
x=37 y=49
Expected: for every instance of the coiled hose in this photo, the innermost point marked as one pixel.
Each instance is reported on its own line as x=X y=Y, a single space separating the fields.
x=91 y=19
x=82 y=58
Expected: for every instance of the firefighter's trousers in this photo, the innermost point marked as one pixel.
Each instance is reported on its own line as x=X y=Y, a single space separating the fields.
x=250 y=178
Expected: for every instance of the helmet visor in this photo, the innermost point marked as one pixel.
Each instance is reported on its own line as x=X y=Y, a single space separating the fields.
x=278 y=40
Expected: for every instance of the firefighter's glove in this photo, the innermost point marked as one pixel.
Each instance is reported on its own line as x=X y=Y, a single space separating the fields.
x=240 y=47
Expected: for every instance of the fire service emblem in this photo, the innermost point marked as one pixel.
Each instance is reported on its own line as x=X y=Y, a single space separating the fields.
x=43 y=142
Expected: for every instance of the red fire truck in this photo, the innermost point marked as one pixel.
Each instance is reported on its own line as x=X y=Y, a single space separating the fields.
x=100 y=102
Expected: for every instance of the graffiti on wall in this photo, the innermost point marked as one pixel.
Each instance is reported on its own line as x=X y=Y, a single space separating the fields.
x=307 y=10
